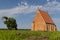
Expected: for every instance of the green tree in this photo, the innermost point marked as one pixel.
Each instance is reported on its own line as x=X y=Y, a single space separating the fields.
x=10 y=23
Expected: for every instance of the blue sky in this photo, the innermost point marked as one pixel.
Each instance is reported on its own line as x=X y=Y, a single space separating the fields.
x=24 y=11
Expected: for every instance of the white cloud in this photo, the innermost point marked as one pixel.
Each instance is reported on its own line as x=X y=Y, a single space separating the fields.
x=48 y=0
x=25 y=8
x=24 y=3
x=18 y=10
x=52 y=6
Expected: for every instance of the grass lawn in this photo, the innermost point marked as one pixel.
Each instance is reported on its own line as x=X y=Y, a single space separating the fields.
x=28 y=35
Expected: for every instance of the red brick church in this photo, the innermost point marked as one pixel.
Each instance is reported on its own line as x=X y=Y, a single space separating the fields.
x=43 y=22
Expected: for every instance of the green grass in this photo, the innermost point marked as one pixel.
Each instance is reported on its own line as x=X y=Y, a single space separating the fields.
x=28 y=35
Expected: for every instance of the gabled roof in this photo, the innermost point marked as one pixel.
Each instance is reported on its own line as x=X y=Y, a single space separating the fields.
x=46 y=17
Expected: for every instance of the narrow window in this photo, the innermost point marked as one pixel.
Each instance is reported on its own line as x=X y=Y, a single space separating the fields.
x=52 y=27
x=47 y=27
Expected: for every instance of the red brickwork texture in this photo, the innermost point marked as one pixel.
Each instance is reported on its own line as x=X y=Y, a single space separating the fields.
x=43 y=22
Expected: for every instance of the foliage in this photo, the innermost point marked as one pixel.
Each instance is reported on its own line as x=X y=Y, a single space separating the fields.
x=10 y=23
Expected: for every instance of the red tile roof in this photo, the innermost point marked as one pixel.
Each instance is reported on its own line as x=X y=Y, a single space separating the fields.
x=46 y=17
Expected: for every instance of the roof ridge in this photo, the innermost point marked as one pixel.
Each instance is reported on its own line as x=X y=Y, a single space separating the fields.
x=46 y=16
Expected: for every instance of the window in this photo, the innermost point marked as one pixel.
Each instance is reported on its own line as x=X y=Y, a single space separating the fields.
x=52 y=27
x=47 y=27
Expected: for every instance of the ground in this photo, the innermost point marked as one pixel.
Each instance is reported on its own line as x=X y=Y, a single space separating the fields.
x=28 y=35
